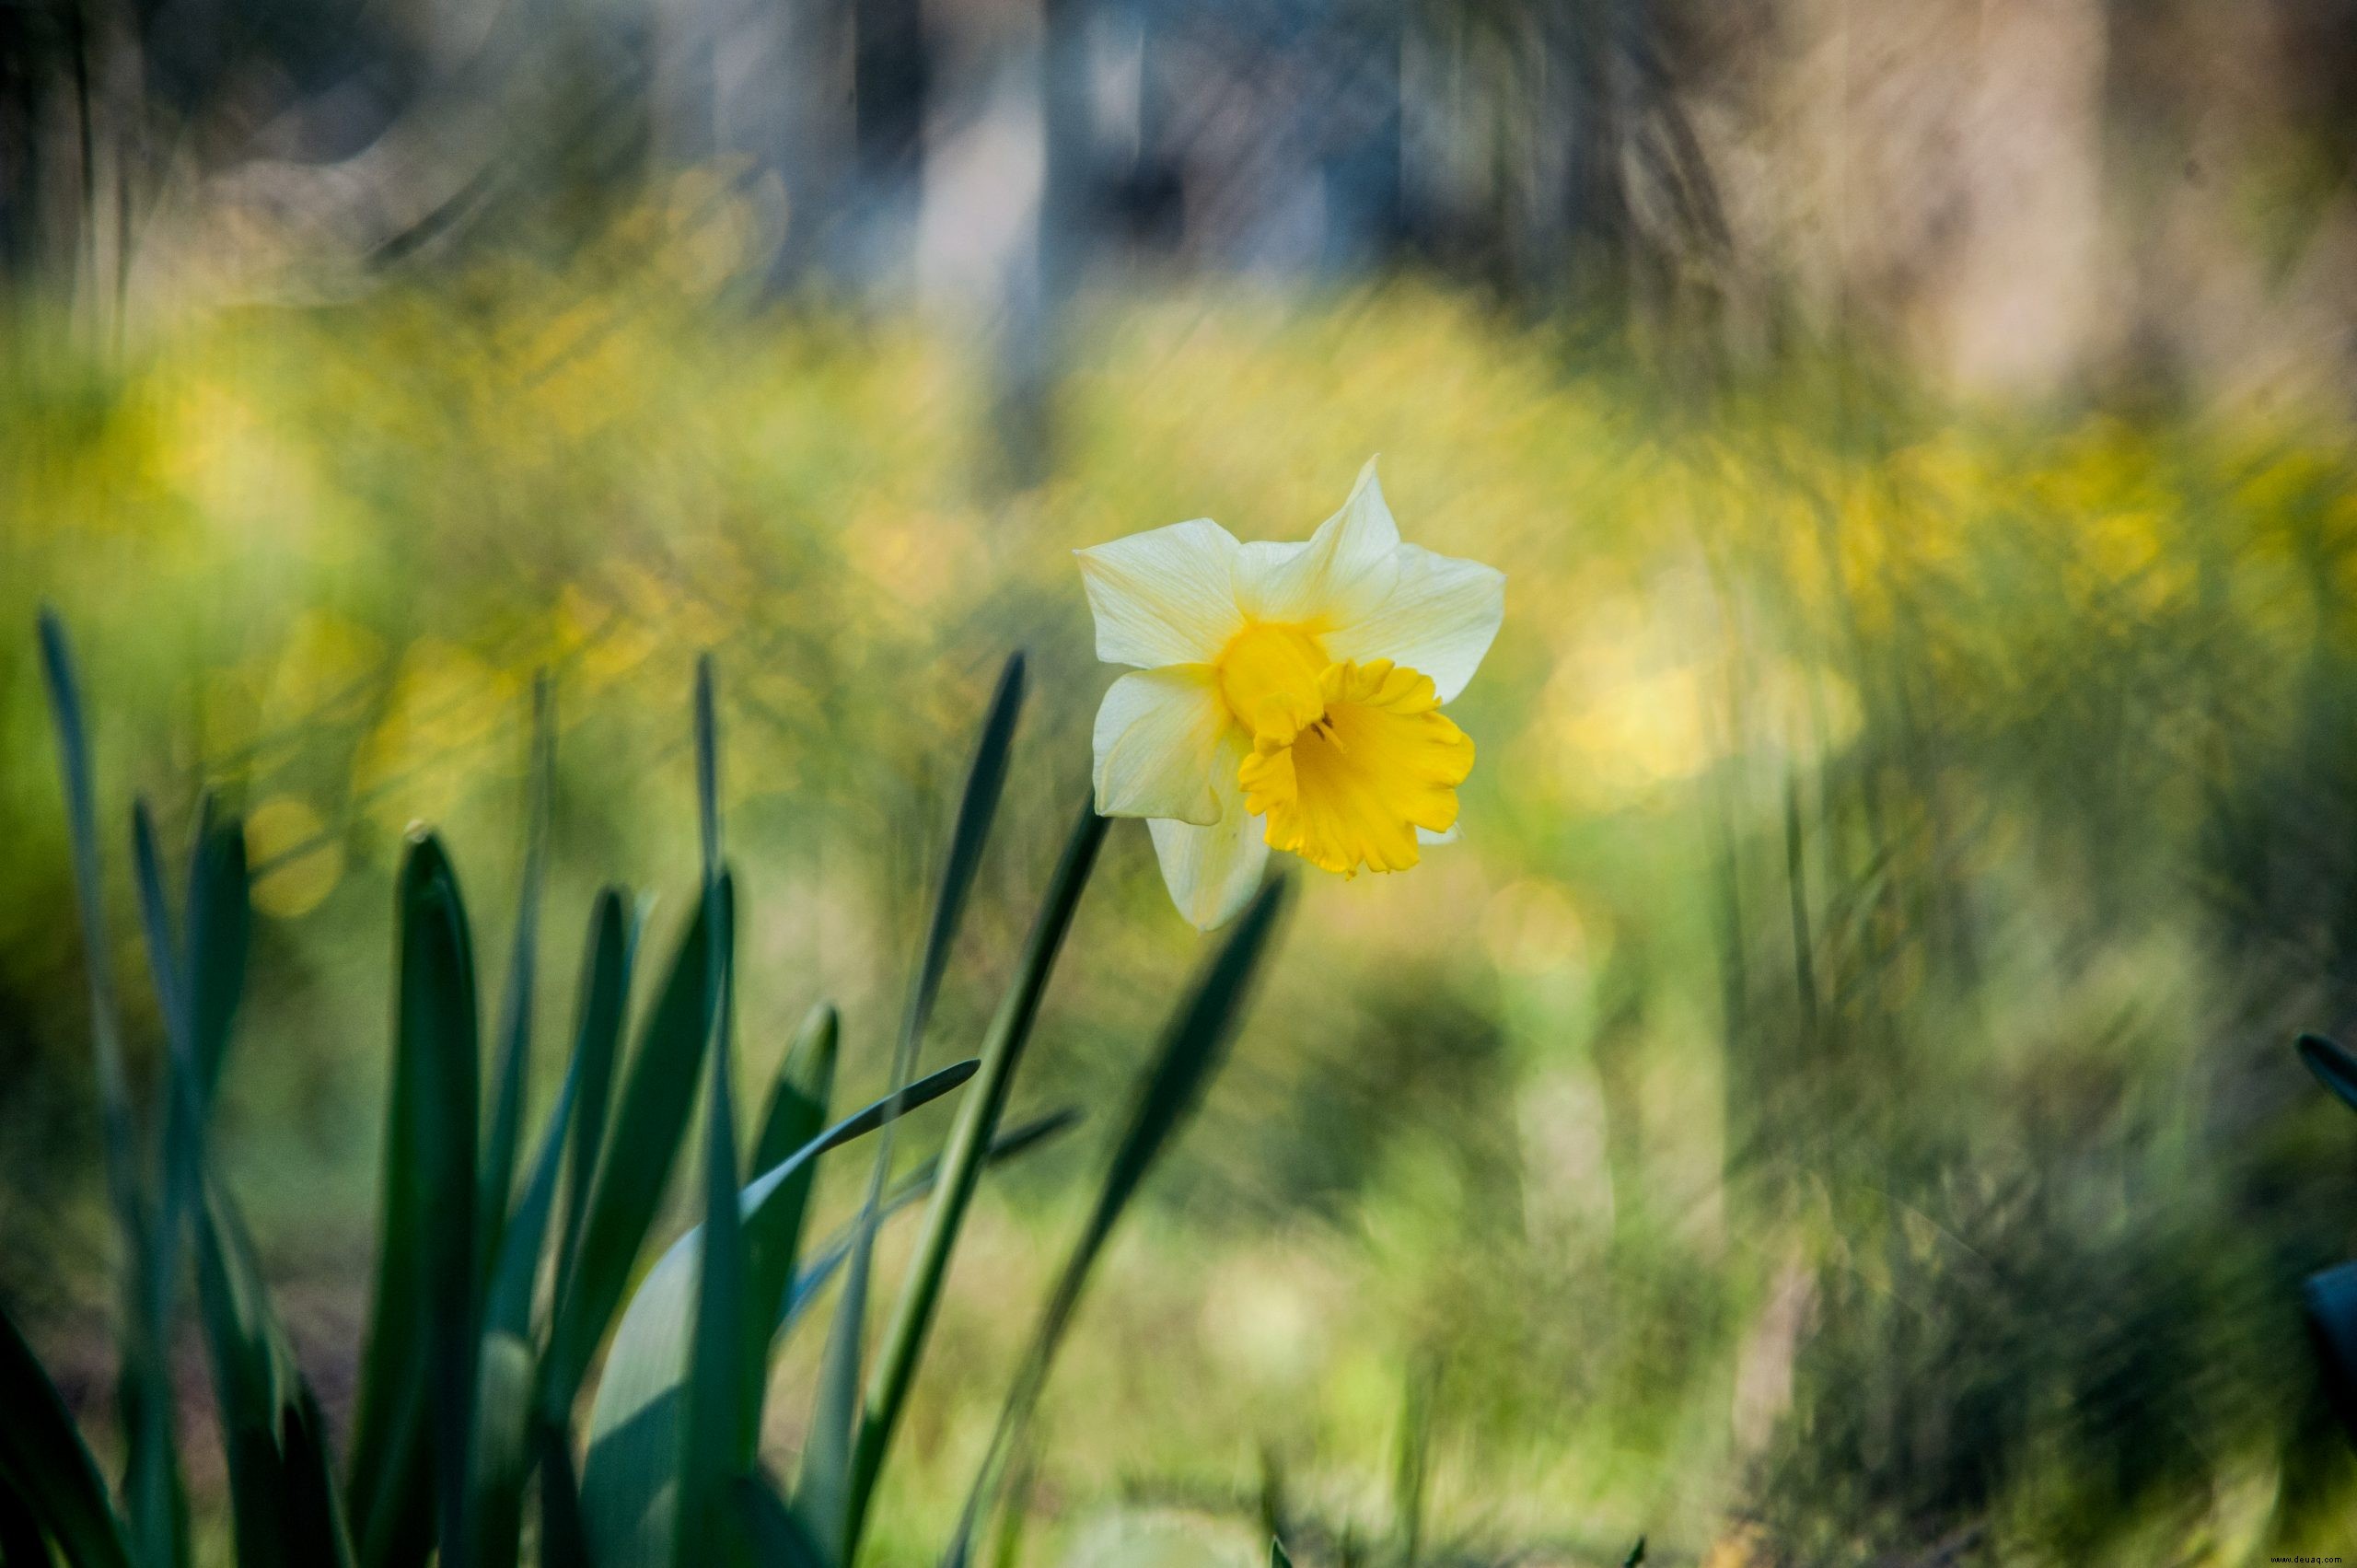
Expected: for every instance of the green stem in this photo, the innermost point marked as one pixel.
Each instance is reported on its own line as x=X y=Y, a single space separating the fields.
x=961 y=1166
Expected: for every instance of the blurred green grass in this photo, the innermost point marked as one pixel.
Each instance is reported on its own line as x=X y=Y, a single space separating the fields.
x=1836 y=1104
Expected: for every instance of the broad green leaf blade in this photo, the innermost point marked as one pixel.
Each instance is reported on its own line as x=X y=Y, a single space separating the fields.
x=283 y=1497
x=2333 y=1066
x=719 y=1403
x=314 y=1507
x=631 y=1471
x=778 y=1539
x=158 y=1522
x=970 y=1142
x=2330 y=1299
x=564 y=1541
x=159 y=1270
x=502 y=1449
x=220 y=934
x=410 y=1462
x=1277 y=1556
x=796 y=1113
x=43 y=1460
x=503 y=1403
x=650 y=1123
x=1192 y=1049
x=597 y=1031
x=508 y=1308
x=498 y=1170
x=22 y=1545
x=282 y=1493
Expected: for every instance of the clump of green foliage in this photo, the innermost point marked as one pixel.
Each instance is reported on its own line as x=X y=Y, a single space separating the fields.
x=494 y=1299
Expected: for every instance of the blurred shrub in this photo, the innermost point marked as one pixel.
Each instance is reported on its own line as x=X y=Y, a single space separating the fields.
x=1837 y=1084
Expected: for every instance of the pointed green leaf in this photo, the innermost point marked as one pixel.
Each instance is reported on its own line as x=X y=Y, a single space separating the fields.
x=822 y=1494
x=796 y=1113
x=778 y=1539
x=650 y=1123
x=969 y=1141
x=1191 y=1051
x=597 y=1031
x=220 y=934
x=282 y=1504
x=282 y=1499
x=498 y=1172
x=825 y=1494
x=158 y=1510
x=719 y=1403
x=505 y=1410
x=409 y=1460
x=565 y=1540
x=2333 y=1066
x=501 y=1448
x=911 y=1189
x=22 y=1545
x=976 y=806
x=631 y=1470
x=43 y=1460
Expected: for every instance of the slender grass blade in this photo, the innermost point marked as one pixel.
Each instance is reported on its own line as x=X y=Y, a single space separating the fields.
x=21 y=1541
x=44 y=1462
x=631 y=1470
x=650 y=1124
x=498 y=1172
x=825 y=1493
x=504 y=1408
x=969 y=1141
x=2333 y=1066
x=158 y=1522
x=911 y=1189
x=1191 y=1051
x=778 y=1539
x=598 y=1032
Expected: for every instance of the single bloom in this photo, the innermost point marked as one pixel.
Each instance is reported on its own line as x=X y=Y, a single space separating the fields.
x=1285 y=696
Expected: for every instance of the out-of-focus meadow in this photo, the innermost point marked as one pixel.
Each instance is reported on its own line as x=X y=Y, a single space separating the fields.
x=1834 y=1105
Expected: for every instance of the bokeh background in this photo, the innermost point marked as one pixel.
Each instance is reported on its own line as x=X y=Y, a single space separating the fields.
x=1835 y=1105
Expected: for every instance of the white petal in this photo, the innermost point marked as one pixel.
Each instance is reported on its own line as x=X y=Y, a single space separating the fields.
x=1158 y=739
x=1166 y=596
x=1439 y=618
x=1427 y=838
x=1213 y=872
x=1341 y=573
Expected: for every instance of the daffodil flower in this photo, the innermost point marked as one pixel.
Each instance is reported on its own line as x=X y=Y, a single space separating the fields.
x=1286 y=696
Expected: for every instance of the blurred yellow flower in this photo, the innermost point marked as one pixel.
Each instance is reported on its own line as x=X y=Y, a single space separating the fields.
x=1286 y=696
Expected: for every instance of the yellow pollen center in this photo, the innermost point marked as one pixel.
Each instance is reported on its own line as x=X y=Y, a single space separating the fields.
x=1349 y=784
x=1268 y=676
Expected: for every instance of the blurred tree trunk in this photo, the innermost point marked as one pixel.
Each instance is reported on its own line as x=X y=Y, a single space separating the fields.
x=1031 y=333
x=891 y=77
